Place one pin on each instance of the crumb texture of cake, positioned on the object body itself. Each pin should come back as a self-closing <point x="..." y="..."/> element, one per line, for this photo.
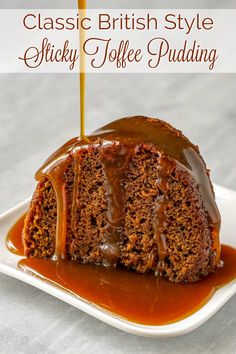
<point x="136" y="193"/>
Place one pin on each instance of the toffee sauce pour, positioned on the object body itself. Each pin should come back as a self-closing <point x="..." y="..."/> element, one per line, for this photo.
<point x="141" y="298"/>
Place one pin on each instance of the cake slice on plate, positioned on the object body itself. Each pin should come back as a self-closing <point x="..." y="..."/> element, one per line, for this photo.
<point x="136" y="193"/>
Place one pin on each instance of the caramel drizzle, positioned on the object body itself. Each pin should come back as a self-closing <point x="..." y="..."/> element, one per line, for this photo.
<point x="76" y="164"/>
<point x="54" y="170"/>
<point x="164" y="168"/>
<point x="56" y="176"/>
<point x="82" y="75"/>
<point x="203" y="181"/>
<point x="114" y="168"/>
<point x="55" y="173"/>
<point x="61" y="219"/>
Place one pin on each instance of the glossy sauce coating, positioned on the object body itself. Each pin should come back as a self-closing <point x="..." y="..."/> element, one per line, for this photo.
<point x="128" y="133"/>
<point x="141" y="298"/>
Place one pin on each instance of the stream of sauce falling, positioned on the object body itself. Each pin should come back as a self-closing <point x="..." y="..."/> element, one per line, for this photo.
<point x="82" y="12"/>
<point x="141" y="298"/>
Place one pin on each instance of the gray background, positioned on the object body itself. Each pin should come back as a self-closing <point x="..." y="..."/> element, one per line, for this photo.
<point x="38" y="113"/>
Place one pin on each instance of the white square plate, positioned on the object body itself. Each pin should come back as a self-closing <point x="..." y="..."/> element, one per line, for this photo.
<point x="226" y="200"/>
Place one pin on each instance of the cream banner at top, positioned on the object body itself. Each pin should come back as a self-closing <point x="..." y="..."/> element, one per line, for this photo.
<point x="118" y="41"/>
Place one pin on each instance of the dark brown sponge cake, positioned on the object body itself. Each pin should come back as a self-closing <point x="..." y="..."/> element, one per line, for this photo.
<point x="136" y="193"/>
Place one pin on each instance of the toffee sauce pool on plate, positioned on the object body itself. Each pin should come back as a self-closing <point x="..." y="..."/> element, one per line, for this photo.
<point x="141" y="298"/>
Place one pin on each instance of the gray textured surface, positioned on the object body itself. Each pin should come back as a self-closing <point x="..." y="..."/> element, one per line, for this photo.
<point x="39" y="113"/>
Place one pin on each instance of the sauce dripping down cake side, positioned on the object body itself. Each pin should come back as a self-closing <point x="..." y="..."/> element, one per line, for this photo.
<point x="135" y="193"/>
